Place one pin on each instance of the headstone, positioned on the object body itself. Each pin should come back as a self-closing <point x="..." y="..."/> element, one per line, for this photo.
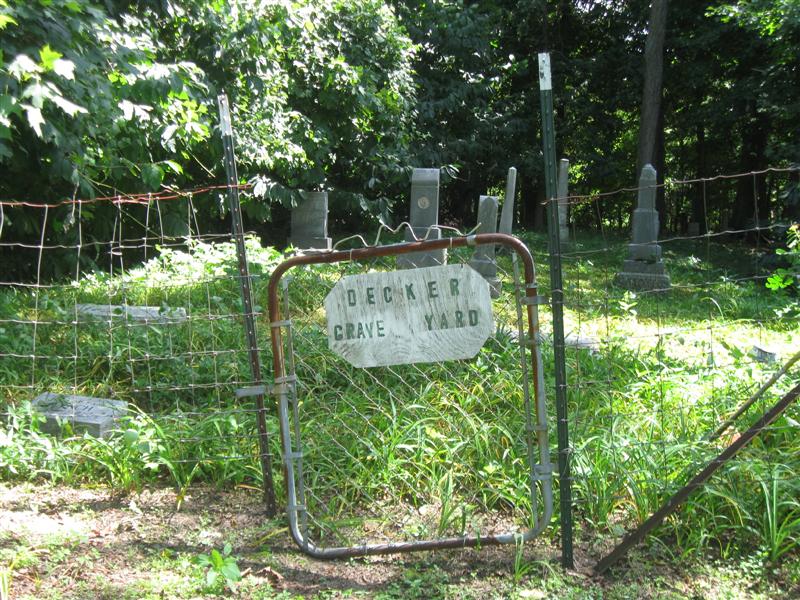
<point x="424" y="219"/>
<point x="310" y="222"/>
<point x="644" y="268"/>
<point x="562" y="193"/>
<point x="483" y="260"/>
<point x="150" y="314"/>
<point x="95" y="416"/>
<point x="428" y="314"/>
<point x="694" y="229"/>
<point x="582" y="342"/>
<point x="507" y="214"/>
<point x="764" y="355"/>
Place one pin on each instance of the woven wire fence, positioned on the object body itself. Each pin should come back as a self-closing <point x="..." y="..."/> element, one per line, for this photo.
<point x="657" y="377"/>
<point x="410" y="456"/>
<point x="145" y="311"/>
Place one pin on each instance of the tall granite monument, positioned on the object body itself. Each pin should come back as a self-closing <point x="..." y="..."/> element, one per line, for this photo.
<point x="424" y="219"/>
<point x="644" y="268"/>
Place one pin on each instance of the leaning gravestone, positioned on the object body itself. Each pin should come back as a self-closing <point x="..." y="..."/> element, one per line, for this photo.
<point x="150" y="314"/>
<point x="95" y="416"/>
<point x="507" y="214"/>
<point x="310" y="222"/>
<point x="483" y="260"/>
<point x="424" y="219"/>
<point x="644" y="268"/>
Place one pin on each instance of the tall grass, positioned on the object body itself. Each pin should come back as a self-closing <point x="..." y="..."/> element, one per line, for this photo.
<point x="443" y="438"/>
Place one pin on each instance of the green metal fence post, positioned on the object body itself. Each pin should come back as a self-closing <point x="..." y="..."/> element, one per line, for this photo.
<point x="557" y="293"/>
<point x="247" y="303"/>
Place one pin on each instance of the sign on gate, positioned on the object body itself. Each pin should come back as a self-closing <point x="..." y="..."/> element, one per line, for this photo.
<point x="428" y="314"/>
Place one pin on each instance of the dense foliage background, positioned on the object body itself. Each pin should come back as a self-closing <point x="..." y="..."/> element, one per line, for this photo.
<point x="99" y="98"/>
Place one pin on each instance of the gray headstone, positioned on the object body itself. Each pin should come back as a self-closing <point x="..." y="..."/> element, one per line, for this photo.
<point x="644" y="269"/>
<point x="562" y="193"/>
<point x="483" y="260"/>
<point x="765" y="355"/>
<point x="310" y="222"/>
<point x="694" y="229"/>
<point x="150" y="314"/>
<point x="95" y="416"/>
<point x="507" y="214"/>
<point x="424" y="219"/>
<point x="582" y="342"/>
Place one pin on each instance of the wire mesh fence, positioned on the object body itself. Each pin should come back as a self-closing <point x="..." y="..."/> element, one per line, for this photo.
<point x="146" y="311"/>
<point x="655" y="370"/>
<point x="143" y="321"/>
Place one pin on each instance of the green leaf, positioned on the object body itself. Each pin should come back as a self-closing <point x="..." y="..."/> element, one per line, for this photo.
<point x="23" y="67"/>
<point x="176" y="167"/>
<point x="152" y="176"/>
<point x="37" y="92"/>
<point x="35" y="118"/>
<point x="64" y="68"/>
<point x="6" y="20"/>
<point x="67" y="106"/>
<point x="211" y="577"/>
<point x="48" y="57"/>
<point x="8" y="107"/>
<point x="230" y="571"/>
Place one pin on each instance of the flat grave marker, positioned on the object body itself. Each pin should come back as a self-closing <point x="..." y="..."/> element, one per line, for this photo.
<point x="152" y="314"/>
<point x="96" y="416"/>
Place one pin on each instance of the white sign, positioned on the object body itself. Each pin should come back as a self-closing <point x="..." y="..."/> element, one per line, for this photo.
<point x="427" y="314"/>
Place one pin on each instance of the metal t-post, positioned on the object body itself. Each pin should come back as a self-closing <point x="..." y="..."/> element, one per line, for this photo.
<point x="557" y="292"/>
<point x="247" y="301"/>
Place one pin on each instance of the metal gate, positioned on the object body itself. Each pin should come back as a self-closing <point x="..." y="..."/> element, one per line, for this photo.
<point x="410" y="457"/>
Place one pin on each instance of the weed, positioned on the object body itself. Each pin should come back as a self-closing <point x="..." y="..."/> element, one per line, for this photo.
<point x="220" y="566"/>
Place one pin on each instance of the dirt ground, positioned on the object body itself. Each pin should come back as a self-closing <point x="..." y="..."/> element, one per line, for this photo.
<point x="94" y="543"/>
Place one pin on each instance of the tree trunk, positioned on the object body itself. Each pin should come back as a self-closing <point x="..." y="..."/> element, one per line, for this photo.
<point x="752" y="204"/>
<point x="651" y="92"/>
<point x="699" y="199"/>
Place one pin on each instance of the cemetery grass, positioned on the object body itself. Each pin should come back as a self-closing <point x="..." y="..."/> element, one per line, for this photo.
<point x="669" y="367"/>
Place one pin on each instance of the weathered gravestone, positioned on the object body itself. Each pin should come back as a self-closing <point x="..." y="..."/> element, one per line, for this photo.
<point x="95" y="416"/>
<point x="424" y="219"/>
<point x="310" y="222"/>
<point x="150" y="314"/>
<point x="483" y="260"/>
<point x="428" y="314"/>
<point x="507" y="214"/>
<point x="644" y="268"/>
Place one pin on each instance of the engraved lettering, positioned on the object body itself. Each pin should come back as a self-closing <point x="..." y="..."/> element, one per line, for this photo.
<point x="351" y="297"/>
<point x="370" y="295"/>
<point x="454" y="287"/>
<point x="432" y="291"/>
<point x="387" y="294"/>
